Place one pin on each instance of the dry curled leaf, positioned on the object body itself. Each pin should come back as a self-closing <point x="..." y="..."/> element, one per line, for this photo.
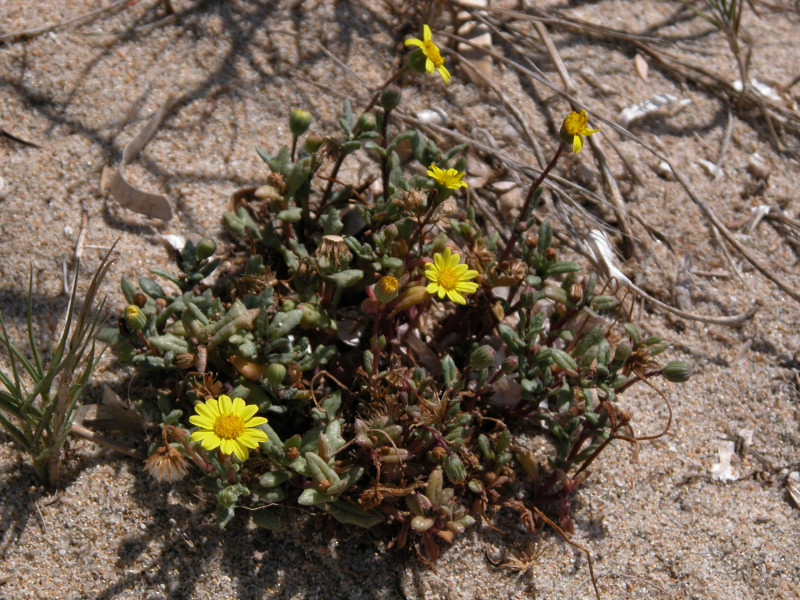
<point x="152" y="205"/>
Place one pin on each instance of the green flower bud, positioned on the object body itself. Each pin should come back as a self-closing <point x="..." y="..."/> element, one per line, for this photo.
<point x="205" y="248"/>
<point x="299" y="121"/>
<point x="482" y="358"/>
<point x="366" y="122"/>
<point x="622" y="352"/>
<point x="135" y="319"/>
<point x="313" y="142"/>
<point x="390" y="97"/>
<point x="276" y="373"/>
<point x="677" y="371"/>
<point x="509" y="365"/>
<point x="454" y="469"/>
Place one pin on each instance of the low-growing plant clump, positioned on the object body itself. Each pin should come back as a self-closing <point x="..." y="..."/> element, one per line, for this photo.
<point x="372" y="350"/>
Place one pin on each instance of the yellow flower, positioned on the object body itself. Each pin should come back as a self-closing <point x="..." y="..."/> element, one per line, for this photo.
<point x="434" y="59"/>
<point x="574" y="128"/>
<point x="228" y="425"/>
<point x="449" y="277"/>
<point x="451" y="179"/>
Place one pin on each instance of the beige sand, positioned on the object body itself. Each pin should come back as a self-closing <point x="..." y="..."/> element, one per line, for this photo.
<point x="657" y="524"/>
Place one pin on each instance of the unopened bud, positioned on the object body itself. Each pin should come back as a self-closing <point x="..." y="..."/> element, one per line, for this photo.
<point x="276" y="372"/>
<point x="677" y="371"/>
<point x="386" y="289"/>
<point x="313" y="142"/>
<point x="135" y="319"/>
<point x="454" y="469"/>
<point x="482" y="358"/>
<point x="390" y="98"/>
<point x="366" y="122"/>
<point x="509" y="365"/>
<point x="299" y="121"/>
<point x="205" y="248"/>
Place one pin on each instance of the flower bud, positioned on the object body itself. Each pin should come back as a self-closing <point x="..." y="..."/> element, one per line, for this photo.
<point x="509" y="365"/>
<point x="366" y="122"/>
<point x="135" y="319"/>
<point x="390" y="97"/>
<point x="313" y="142"/>
<point x="275" y="374"/>
<point x="139" y="299"/>
<point x="386" y="289"/>
<point x="677" y="371"/>
<point x="454" y="469"/>
<point x="482" y="358"/>
<point x="390" y="232"/>
<point x="205" y="248"/>
<point x="299" y="121"/>
<point x="622" y="352"/>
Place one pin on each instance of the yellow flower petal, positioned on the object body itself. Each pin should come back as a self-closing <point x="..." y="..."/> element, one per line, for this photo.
<point x="432" y="287"/>
<point x="577" y="143"/>
<point x="456" y="297"/>
<point x="205" y="410"/>
<point x="202" y="421"/>
<point x="255" y="422"/>
<point x="414" y="42"/>
<point x="240" y="450"/>
<point x="225" y="405"/>
<point x="426" y="33"/>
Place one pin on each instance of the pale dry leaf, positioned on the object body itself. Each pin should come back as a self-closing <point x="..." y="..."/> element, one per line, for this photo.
<point x="640" y="64"/>
<point x="152" y="205"/>
<point x="600" y="249"/>
<point x="793" y="487"/>
<point x="652" y="106"/>
<point x="723" y="471"/>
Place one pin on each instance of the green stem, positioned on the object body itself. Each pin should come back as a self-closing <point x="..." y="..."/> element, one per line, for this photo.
<point x="523" y="215"/>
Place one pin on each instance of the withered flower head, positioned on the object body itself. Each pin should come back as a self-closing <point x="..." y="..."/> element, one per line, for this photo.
<point x="333" y="254"/>
<point x="331" y="148"/>
<point x="480" y="258"/>
<point x="276" y="181"/>
<point x="166" y="464"/>
<point x="410" y="200"/>
<point x="515" y="269"/>
<point x="206" y="386"/>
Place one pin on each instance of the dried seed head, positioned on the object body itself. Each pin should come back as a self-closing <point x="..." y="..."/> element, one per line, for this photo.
<point x="276" y="181"/>
<point x="166" y="464"/>
<point x="333" y="254"/>
<point x="411" y="200"/>
<point x="185" y="361"/>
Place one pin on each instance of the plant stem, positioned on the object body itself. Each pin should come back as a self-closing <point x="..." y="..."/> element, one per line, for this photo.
<point x="526" y="207"/>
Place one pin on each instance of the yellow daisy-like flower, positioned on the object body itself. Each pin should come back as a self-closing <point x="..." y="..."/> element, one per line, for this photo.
<point x="449" y="277"/>
<point x="229" y="425"/>
<point x="574" y="128"/>
<point x="434" y="59"/>
<point x="451" y="179"/>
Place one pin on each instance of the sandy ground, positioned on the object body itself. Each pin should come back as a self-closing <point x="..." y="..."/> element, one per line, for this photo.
<point x="656" y="522"/>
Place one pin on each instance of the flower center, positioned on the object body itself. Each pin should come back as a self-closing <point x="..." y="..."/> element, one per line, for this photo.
<point x="228" y="427"/>
<point x="575" y="123"/>
<point x="448" y="279"/>
<point x="389" y="284"/>
<point x="432" y="52"/>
